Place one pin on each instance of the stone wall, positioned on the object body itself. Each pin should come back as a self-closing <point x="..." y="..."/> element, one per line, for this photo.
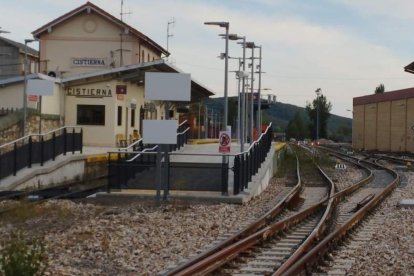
<point x="13" y="132"/>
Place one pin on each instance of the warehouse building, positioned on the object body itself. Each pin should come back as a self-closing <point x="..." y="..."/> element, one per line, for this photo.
<point x="384" y="121"/>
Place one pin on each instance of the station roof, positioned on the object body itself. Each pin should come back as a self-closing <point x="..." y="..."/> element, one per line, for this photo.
<point x="136" y="74"/>
<point x="409" y="68"/>
<point x="20" y="46"/>
<point x="88" y="7"/>
<point x="385" y="97"/>
<point x="131" y="73"/>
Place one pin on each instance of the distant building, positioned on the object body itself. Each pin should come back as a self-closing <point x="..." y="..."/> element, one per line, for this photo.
<point x="384" y="121"/>
<point x="12" y="59"/>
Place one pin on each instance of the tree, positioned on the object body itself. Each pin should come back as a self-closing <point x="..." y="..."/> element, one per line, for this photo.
<point x="324" y="113"/>
<point x="380" y="89"/>
<point x="296" y="128"/>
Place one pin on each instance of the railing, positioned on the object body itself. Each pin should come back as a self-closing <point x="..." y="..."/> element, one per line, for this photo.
<point x="247" y="163"/>
<point x="137" y="169"/>
<point x="38" y="148"/>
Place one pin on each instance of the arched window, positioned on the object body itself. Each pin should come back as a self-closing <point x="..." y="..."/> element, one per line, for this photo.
<point x="142" y="56"/>
<point x="148" y="57"/>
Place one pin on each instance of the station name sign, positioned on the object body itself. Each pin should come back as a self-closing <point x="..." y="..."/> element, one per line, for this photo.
<point x="88" y="92"/>
<point x="89" y="62"/>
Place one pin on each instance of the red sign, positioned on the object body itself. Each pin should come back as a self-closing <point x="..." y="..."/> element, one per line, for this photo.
<point x="121" y="89"/>
<point x="32" y="98"/>
<point x="224" y="141"/>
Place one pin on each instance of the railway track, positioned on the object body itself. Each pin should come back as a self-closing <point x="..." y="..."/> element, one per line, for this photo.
<point x="349" y="225"/>
<point x="58" y="192"/>
<point x="278" y="242"/>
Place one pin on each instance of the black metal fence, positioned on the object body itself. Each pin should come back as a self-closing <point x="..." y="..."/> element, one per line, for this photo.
<point x="37" y="149"/>
<point x="137" y="170"/>
<point x="247" y="164"/>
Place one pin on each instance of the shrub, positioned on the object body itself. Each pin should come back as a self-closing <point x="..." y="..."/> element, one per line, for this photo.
<point x="19" y="257"/>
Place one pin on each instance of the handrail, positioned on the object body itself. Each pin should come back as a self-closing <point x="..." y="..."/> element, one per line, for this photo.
<point x="181" y="133"/>
<point x="131" y="146"/>
<point x="37" y="134"/>
<point x="140" y="140"/>
<point x="256" y="141"/>
<point x="139" y="154"/>
<point x="182" y="123"/>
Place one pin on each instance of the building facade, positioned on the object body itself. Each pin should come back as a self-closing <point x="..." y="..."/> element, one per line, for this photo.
<point x="384" y="121"/>
<point x="12" y="56"/>
<point x="98" y="65"/>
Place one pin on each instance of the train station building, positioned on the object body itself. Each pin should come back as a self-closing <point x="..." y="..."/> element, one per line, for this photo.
<point x="384" y="121"/>
<point x="97" y="64"/>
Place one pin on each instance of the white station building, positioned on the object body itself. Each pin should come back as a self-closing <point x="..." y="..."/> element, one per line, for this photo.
<point x="97" y="64"/>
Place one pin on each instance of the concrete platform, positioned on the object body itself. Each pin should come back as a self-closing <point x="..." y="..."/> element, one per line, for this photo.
<point x="70" y="166"/>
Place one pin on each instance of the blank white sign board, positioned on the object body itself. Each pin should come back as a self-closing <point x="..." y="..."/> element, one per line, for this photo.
<point x="167" y="86"/>
<point x="160" y="131"/>
<point x="40" y="87"/>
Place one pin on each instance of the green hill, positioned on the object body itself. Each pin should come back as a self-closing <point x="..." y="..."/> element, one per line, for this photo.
<point x="281" y="113"/>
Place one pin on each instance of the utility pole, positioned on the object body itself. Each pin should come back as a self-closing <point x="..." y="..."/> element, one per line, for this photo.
<point x="171" y="22"/>
<point x="121" y="56"/>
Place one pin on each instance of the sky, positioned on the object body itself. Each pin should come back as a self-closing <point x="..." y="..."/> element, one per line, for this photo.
<point x="345" y="47"/>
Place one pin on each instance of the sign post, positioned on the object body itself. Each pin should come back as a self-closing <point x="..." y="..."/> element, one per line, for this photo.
<point x="224" y="141"/>
<point x="164" y="87"/>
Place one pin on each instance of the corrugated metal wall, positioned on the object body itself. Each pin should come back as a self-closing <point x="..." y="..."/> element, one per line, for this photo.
<point x="384" y="126"/>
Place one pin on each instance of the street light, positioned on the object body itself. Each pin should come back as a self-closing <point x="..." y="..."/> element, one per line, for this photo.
<point x="4" y="32"/>
<point x="251" y="45"/>
<point x="241" y="102"/>
<point x="259" y="103"/>
<point x="225" y="25"/>
<point x="26" y="41"/>
<point x="318" y="92"/>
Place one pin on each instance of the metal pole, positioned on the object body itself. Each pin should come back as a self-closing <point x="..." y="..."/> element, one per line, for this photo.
<point x="40" y="114"/>
<point x="199" y="120"/>
<point x="318" y="92"/>
<point x="259" y="102"/>
<point x="252" y="100"/>
<point x="226" y="69"/>
<point x="243" y="111"/>
<point x="25" y="90"/>
<point x="238" y="104"/>
<point x="205" y="122"/>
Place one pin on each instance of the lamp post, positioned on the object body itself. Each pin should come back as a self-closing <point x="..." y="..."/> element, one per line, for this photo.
<point x="259" y="102"/>
<point x="225" y="25"/>
<point x="26" y="41"/>
<point x="241" y="102"/>
<point x="251" y="45"/>
<point x="4" y="32"/>
<point x="318" y="92"/>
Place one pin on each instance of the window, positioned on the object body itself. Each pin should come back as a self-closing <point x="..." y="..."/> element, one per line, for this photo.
<point x="90" y="115"/>
<point x="119" y="115"/>
<point x="148" y="59"/>
<point x="132" y="117"/>
<point x="142" y="56"/>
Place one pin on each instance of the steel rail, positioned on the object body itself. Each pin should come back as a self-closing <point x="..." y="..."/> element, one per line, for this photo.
<point x="287" y="201"/>
<point x="304" y="265"/>
<point x="221" y="257"/>
<point x="317" y="232"/>
<point x="34" y="202"/>
<point x="230" y="252"/>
